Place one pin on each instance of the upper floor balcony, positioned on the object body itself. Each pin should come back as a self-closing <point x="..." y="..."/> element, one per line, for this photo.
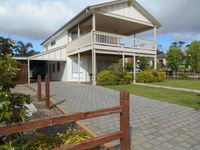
<point x="110" y="42"/>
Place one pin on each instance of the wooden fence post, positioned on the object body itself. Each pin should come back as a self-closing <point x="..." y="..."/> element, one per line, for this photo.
<point x="47" y="91"/>
<point x="39" y="88"/>
<point x="125" y="142"/>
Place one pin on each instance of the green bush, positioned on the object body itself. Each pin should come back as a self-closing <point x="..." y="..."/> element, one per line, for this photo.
<point x="183" y="77"/>
<point x="42" y="142"/>
<point x="107" y="78"/>
<point x="148" y="76"/>
<point x="144" y="76"/>
<point x="158" y="76"/>
<point x="125" y="77"/>
<point x="113" y="78"/>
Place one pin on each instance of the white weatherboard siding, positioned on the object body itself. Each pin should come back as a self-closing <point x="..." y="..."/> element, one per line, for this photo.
<point x="125" y="10"/>
<point x="56" y="75"/>
<point x="83" y="69"/>
<point x="61" y="39"/>
<point x="58" y="54"/>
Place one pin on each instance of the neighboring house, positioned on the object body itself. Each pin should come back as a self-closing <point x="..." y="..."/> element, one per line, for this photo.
<point x="162" y="58"/>
<point x="95" y="38"/>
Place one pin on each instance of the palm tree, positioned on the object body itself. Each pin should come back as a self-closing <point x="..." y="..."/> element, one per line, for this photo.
<point x="23" y="49"/>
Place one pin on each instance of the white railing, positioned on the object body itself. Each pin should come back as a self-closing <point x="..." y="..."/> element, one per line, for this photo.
<point x="103" y="38"/>
<point x="81" y="42"/>
<point x="109" y="39"/>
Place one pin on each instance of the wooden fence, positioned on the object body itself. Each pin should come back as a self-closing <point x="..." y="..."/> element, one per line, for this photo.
<point x="123" y="134"/>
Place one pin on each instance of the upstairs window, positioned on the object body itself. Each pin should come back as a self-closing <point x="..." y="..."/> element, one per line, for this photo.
<point x="53" y="43"/>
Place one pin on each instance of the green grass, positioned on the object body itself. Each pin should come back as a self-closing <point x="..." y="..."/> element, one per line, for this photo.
<point x="189" y="84"/>
<point x="172" y="96"/>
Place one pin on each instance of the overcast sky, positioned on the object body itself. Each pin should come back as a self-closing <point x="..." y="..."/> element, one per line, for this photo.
<point x="35" y="20"/>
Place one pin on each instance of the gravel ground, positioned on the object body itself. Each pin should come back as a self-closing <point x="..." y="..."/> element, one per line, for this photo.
<point x="43" y="112"/>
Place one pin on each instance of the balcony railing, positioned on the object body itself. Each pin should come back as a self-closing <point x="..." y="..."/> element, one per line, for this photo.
<point x="109" y="39"/>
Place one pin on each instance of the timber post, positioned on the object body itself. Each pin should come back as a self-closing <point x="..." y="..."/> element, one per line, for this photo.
<point x="125" y="141"/>
<point x="39" y="88"/>
<point x="47" y="91"/>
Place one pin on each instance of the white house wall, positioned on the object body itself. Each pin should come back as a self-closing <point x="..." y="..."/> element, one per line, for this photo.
<point x="125" y="10"/>
<point x="61" y="40"/>
<point x="57" y="55"/>
<point x="84" y="68"/>
<point x="57" y="75"/>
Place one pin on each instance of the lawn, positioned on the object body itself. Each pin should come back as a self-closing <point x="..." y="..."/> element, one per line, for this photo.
<point x="166" y="95"/>
<point x="189" y="84"/>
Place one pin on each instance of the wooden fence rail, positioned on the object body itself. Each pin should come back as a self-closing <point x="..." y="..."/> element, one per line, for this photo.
<point x="123" y="134"/>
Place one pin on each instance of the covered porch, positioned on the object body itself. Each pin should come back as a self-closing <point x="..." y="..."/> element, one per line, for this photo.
<point x="87" y="65"/>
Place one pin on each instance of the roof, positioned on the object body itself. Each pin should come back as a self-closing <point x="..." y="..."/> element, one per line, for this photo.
<point x="92" y="7"/>
<point x="160" y="56"/>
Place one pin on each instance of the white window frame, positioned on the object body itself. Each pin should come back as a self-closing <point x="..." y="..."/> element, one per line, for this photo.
<point x="75" y="73"/>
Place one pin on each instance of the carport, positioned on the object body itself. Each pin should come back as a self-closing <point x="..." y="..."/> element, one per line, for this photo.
<point x="50" y="62"/>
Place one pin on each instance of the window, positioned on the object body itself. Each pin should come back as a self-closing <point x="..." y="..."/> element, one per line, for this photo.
<point x="75" y="73"/>
<point x="54" y="68"/>
<point x="53" y="43"/>
<point x="58" y="67"/>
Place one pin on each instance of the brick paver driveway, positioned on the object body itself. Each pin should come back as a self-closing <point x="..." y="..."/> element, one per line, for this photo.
<point x="155" y="125"/>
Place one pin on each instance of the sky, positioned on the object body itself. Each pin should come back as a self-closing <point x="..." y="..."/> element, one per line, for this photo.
<point x="34" y="20"/>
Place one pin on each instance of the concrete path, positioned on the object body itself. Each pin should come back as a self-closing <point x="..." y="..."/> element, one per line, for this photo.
<point x="155" y="125"/>
<point x="169" y="87"/>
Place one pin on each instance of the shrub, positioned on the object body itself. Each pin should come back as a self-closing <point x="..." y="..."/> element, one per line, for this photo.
<point x="107" y="78"/>
<point x="183" y="77"/>
<point x="144" y="76"/>
<point x="8" y="72"/>
<point x="12" y="108"/>
<point x="158" y="76"/>
<point x="42" y="142"/>
<point x="125" y="77"/>
<point x="148" y="76"/>
<point x="113" y="78"/>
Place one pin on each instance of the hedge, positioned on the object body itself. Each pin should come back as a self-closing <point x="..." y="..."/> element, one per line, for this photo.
<point x="110" y="77"/>
<point x="150" y="76"/>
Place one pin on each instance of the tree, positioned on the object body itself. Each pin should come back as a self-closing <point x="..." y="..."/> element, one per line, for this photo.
<point x="23" y="49"/>
<point x="7" y="46"/>
<point x="12" y="108"/>
<point x="193" y="56"/>
<point x="174" y="58"/>
<point x="143" y="64"/>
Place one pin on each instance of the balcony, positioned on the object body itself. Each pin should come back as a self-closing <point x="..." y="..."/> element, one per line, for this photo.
<point x="111" y="42"/>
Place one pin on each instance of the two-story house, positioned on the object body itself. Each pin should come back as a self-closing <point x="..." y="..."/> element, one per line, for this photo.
<point x="97" y="37"/>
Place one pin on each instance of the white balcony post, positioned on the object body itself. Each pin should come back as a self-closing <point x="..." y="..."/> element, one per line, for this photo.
<point x="123" y="61"/>
<point x="134" y="40"/>
<point x="134" y="69"/>
<point x="28" y="71"/>
<point x="78" y="30"/>
<point x="79" y="64"/>
<point x="93" y="22"/>
<point x="94" y="67"/>
<point x="155" y="39"/>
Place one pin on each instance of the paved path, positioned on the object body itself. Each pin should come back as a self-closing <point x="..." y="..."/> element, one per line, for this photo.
<point x="155" y="125"/>
<point x="169" y="87"/>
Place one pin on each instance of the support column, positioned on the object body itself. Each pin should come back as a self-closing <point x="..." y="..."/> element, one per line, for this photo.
<point x="79" y="64"/>
<point x="134" y="44"/>
<point x="123" y="61"/>
<point x="78" y="30"/>
<point x="155" y="39"/>
<point x="134" y="69"/>
<point x="28" y="71"/>
<point x="94" y="67"/>
<point x="93" y="22"/>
